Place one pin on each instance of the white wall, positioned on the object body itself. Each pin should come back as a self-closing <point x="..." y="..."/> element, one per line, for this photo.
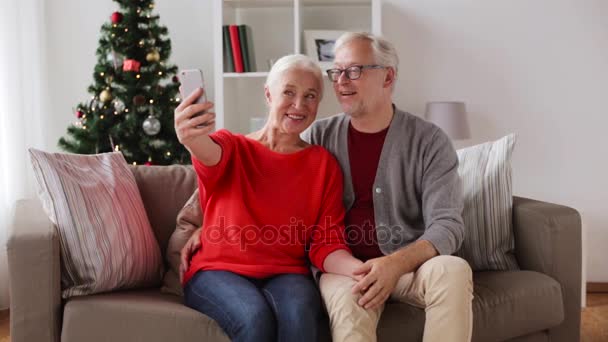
<point x="537" y="68"/>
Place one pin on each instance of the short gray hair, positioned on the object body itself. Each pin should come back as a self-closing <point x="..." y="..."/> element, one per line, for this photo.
<point x="296" y="61"/>
<point x="384" y="52"/>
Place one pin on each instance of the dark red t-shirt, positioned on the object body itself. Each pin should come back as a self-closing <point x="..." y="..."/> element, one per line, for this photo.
<point x="364" y="154"/>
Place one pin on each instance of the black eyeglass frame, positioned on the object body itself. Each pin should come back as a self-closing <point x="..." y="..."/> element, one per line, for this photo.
<point x="352" y="68"/>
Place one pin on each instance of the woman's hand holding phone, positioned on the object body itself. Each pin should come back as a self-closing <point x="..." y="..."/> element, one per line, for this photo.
<point x="193" y="129"/>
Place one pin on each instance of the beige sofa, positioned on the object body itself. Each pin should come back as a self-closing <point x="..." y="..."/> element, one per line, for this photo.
<point x="539" y="303"/>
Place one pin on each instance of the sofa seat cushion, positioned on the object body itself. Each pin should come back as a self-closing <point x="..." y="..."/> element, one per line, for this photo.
<point x="145" y="315"/>
<point x="507" y="304"/>
<point x="514" y="303"/>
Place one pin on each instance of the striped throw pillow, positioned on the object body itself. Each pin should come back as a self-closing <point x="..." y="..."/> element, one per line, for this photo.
<point x="485" y="170"/>
<point x="106" y="239"/>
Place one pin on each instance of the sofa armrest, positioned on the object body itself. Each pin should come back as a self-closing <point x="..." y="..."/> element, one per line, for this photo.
<point x="34" y="275"/>
<point x="548" y="240"/>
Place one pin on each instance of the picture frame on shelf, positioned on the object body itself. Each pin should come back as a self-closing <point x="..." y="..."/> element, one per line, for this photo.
<point x="319" y="45"/>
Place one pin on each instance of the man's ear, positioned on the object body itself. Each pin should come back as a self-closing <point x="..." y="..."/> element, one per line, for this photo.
<point x="267" y="95"/>
<point x="389" y="79"/>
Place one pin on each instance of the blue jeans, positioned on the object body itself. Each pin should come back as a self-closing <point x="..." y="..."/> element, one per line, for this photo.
<point x="286" y="307"/>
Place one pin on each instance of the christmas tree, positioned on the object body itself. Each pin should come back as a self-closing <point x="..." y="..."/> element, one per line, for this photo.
<point x="134" y="94"/>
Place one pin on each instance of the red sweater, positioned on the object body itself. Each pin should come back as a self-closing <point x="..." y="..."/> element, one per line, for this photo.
<point x="265" y="212"/>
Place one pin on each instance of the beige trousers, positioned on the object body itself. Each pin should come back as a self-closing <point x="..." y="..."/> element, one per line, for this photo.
<point x="443" y="286"/>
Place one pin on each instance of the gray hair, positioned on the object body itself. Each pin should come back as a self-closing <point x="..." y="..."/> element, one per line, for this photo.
<point x="384" y="52"/>
<point x="296" y="61"/>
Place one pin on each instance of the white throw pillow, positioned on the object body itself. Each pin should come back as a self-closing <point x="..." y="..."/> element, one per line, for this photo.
<point x="485" y="170"/>
<point x="106" y="239"/>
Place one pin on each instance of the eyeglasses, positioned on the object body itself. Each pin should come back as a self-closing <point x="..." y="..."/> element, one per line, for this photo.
<point x="352" y="72"/>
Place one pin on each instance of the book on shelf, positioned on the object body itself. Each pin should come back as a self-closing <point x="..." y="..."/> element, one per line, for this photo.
<point x="244" y="49"/>
<point x="238" y="48"/>
<point x="250" y="49"/>
<point x="228" y="57"/>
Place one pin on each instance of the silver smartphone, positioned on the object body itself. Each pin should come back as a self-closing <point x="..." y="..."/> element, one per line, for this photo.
<point x="190" y="80"/>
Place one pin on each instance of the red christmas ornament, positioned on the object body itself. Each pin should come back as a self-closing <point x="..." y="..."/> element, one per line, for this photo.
<point x="138" y="100"/>
<point x="148" y="163"/>
<point x="79" y="114"/>
<point x="130" y="65"/>
<point x="175" y="79"/>
<point x="116" y="17"/>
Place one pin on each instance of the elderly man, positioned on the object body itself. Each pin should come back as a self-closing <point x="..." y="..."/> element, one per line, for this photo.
<point x="403" y="198"/>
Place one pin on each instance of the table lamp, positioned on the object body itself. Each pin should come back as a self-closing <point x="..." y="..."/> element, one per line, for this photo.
<point x="451" y="117"/>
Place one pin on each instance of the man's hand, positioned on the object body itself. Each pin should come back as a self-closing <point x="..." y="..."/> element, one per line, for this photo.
<point x="193" y="244"/>
<point x="382" y="274"/>
<point x="379" y="281"/>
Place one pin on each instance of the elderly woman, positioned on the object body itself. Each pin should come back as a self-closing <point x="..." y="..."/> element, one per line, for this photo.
<point x="271" y="204"/>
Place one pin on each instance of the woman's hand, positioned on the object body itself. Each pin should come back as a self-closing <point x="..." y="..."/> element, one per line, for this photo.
<point x="342" y="262"/>
<point x="189" y="123"/>
<point x="193" y="244"/>
<point x="193" y="123"/>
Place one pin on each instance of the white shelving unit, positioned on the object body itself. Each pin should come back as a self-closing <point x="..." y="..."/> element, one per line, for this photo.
<point x="277" y="28"/>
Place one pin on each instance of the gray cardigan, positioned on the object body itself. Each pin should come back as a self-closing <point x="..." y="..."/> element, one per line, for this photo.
<point x="417" y="190"/>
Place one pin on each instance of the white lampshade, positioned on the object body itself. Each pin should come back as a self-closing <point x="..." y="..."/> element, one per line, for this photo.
<point x="451" y="117"/>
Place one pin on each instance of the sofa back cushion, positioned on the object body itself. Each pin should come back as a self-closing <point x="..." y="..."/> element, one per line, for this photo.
<point x="104" y="232"/>
<point x="164" y="191"/>
<point x="189" y="219"/>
